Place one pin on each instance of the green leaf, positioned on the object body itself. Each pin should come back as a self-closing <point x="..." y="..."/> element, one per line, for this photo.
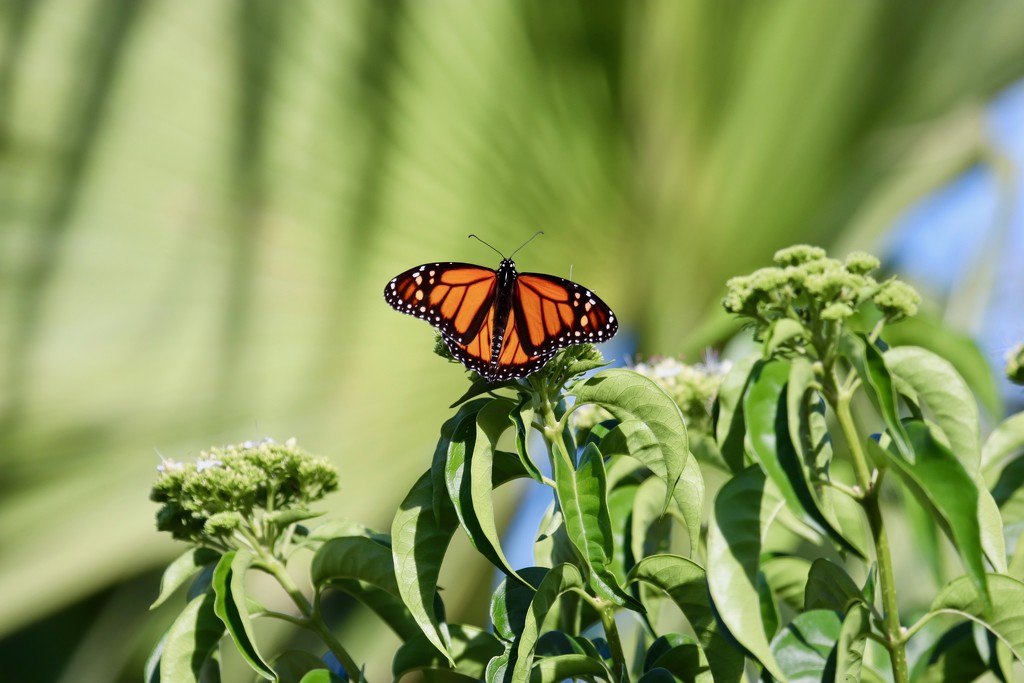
<point x="231" y="607"/>
<point x="628" y="395"/>
<point x="364" y="568"/>
<point x="941" y="388"/>
<point x="658" y="675"/>
<point x="566" y="667"/>
<point x="685" y="583"/>
<point x="743" y="509"/>
<point x="354" y="557"/>
<point x="293" y="666"/>
<point x="869" y="363"/>
<point x="511" y="601"/>
<point x="190" y="641"/>
<point x="522" y="420"/>
<point x="438" y="465"/>
<point x="649" y="531"/>
<point x="471" y="648"/>
<point x="688" y="499"/>
<point x="497" y="668"/>
<point x="419" y="540"/>
<point x="929" y="332"/>
<point x="730" y="429"/>
<point x="469" y="479"/>
<point x="386" y="605"/>
<point x="558" y="580"/>
<point x="1002" y="614"/>
<point x="830" y="587"/>
<point x="765" y="409"/>
<point x="803" y="647"/>
<point x="808" y="430"/>
<point x="321" y="676"/>
<point x="850" y="646"/>
<point x="1005" y="441"/>
<point x="780" y="332"/>
<point x="283" y="518"/>
<point x="945" y="394"/>
<point x="941" y="483"/>
<point x="621" y="501"/>
<point x="187" y="565"/>
<point x="682" y="656"/>
<point x="584" y="503"/>
<point x="952" y="657"/>
<point x="787" y="577"/>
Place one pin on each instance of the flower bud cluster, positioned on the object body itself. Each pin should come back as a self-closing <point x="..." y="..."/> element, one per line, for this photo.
<point x="692" y="387"/>
<point x="227" y="487"/>
<point x="807" y="286"/>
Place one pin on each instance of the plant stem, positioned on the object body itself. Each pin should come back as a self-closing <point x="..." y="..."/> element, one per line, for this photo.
<point x="312" y="619"/>
<point x="895" y="641"/>
<point x="611" y="630"/>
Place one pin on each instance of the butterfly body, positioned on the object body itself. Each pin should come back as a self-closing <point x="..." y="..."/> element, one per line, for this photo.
<point x="501" y="323"/>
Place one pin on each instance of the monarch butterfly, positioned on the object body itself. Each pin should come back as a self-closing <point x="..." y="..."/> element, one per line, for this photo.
<point x="500" y="323"/>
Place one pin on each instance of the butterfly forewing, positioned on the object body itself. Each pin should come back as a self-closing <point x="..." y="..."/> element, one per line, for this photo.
<point x="455" y="298"/>
<point x="553" y="313"/>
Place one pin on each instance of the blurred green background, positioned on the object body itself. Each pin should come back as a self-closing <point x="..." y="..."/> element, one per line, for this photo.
<point x="201" y="201"/>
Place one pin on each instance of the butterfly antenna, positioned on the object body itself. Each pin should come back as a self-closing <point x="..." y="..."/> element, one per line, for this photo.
<point x="539" y="232"/>
<point x="472" y="236"/>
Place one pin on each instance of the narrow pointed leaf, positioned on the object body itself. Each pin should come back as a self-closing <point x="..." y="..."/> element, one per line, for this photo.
<point x="420" y="537"/>
<point x="522" y="419"/>
<point x="511" y="601"/>
<point x="743" y="509"/>
<point x="629" y="395"/>
<point x="444" y="445"/>
<point x="782" y="331"/>
<point x="1003" y="617"/>
<point x="941" y="388"/>
<point x="869" y="363"/>
<point x="582" y="496"/>
<point x="190" y="641"/>
<point x="850" y="646"/>
<point x="560" y="579"/>
<point x="941" y="483"/>
<point x="231" y="607"/>
<point x="568" y="667"/>
<point x="649" y="530"/>
<point x="804" y="646"/>
<point x="354" y="557"/>
<point x="685" y="583"/>
<point x="1005" y="441"/>
<point x="469" y="478"/>
<point x="187" y="565"/>
<point x="765" y="408"/>
<point x="830" y="587"/>
<point x="471" y="649"/>
<point x="729" y="423"/>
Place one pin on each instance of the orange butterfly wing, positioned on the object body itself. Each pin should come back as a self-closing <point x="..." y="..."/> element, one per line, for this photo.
<point x="513" y="359"/>
<point x="552" y="313"/>
<point x="456" y="298"/>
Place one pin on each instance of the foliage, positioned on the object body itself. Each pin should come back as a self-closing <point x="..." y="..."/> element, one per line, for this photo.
<point x="792" y="569"/>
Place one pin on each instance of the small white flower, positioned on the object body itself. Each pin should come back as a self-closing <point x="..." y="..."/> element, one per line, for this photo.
<point x="208" y="463"/>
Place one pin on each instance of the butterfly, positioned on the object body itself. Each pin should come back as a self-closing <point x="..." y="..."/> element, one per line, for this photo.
<point x="501" y="323"/>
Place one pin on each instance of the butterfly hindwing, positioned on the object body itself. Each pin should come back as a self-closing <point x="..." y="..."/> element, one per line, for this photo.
<point x="553" y="313"/>
<point x="456" y="298"/>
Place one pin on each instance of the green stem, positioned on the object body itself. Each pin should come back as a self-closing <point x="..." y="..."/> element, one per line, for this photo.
<point x="312" y="619"/>
<point x="606" y="611"/>
<point x="894" y="636"/>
